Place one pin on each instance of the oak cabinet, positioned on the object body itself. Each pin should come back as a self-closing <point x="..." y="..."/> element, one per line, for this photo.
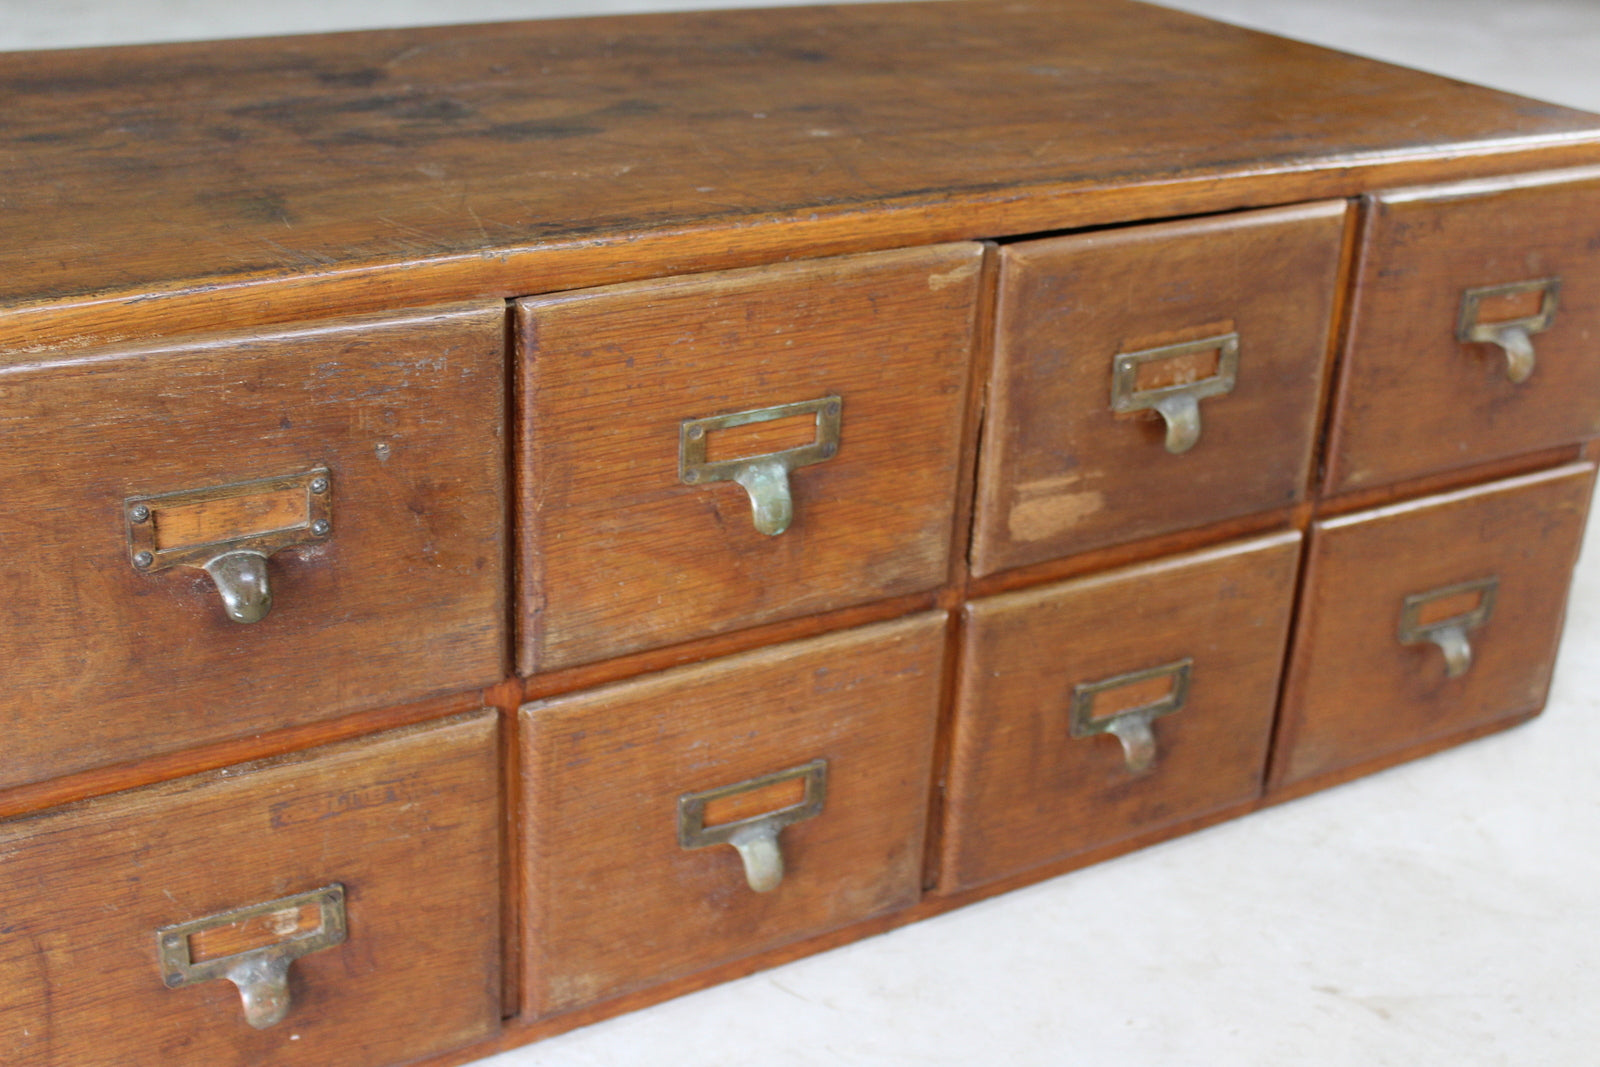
<point x="857" y="459"/>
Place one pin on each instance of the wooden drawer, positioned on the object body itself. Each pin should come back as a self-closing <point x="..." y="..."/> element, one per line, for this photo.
<point x="631" y="541"/>
<point x="1428" y="619"/>
<point x="624" y="886"/>
<point x="1223" y="322"/>
<point x="133" y="468"/>
<point x="1444" y="264"/>
<point x="1096" y="709"/>
<point x="123" y="915"/>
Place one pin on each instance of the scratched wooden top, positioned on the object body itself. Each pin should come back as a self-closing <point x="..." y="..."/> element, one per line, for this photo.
<point x="497" y="159"/>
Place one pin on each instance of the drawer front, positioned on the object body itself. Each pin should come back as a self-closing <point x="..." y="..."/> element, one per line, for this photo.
<point x="1474" y="329"/>
<point x="1429" y="618"/>
<point x="819" y="752"/>
<point x="341" y="485"/>
<point x="1154" y="378"/>
<point x="139" y="926"/>
<point x="1096" y="709"/>
<point x="713" y="452"/>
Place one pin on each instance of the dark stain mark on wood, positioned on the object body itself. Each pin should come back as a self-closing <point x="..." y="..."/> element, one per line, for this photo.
<point x="356" y="79"/>
<point x="549" y="130"/>
<point x="250" y="205"/>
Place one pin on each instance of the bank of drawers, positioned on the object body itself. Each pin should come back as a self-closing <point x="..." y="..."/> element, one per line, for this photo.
<point x="703" y="455"/>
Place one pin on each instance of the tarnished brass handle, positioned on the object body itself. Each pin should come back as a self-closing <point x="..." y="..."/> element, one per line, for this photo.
<point x="754" y="837"/>
<point x="241" y="580"/>
<point x="1421" y="621"/>
<point x="289" y="928"/>
<point x="228" y="531"/>
<point x="1512" y="335"/>
<point x="1177" y="402"/>
<point x="765" y="478"/>
<point x="1131" y="725"/>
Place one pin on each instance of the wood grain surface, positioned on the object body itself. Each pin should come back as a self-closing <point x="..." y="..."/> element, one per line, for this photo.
<point x="405" y="821"/>
<point x="403" y="600"/>
<point x="613" y="903"/>
<point x="1062" y="472"/>
<point x="258" y="181"/>
<point x="619" y="554"/>
<point x="1023" y="792"/>
<point x="708" y="212"/>
<point x="1413" y="399"/>
<point x="1354" y="692"/>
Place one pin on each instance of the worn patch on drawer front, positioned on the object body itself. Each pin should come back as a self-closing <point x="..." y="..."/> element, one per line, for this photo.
<point x="952" y="277"/>
<point x="1051" y="505"/>
<point x="303" y="810"/>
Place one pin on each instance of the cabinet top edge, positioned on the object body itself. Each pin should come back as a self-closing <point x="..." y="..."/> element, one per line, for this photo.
<point x="496" y="160"/>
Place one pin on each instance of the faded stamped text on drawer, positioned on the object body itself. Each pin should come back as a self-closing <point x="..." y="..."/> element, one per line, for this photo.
<point x="1096" y="709"/>
<point x="684" y="819"/>
<point x="154" y="925"/>
<point x="210" y="538"/>
<point x="1429" y="618"/>
<point x="1154" y="378"/>
<point x="717" y="451"/>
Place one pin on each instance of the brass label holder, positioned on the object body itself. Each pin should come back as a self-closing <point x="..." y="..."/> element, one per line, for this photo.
<point x="765" y="478"/>
<point x="1449" y="634"/>
<point x="1514" y="336"/>
<point x="1131" y="726"/>
<point x="755" y="838"/>
<point x="261" y="974"/>
<point x="237" y="564"/>
<point x="1179" y="404"/>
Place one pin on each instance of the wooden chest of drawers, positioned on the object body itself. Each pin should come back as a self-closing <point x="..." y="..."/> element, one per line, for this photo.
<point x="509" y="523"/>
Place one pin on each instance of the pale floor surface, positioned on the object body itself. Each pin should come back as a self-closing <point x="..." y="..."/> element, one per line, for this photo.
<point x="1440" y="913"/>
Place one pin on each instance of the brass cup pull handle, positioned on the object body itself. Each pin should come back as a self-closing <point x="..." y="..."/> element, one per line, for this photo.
<point x="754" y="837"/>
<point x="1182" y="415"/>
<point x="767" y="484"/>
<point x="1169" y="380"/>
<point x="761" y="854"/>
<point x="1138" y="740"/>
<point x="1443" y="617"/>
<point x="765" y="478"/>
<point x="254" y="947"/>
<point x="1457" y="649"/>
<point x="229" y="531"/>
<point x="1518" y="347"/>
<point x="241" y="580"/>
<point x="1512" y="335"/>
<point x="263" y="984"/>
<point x="1132" y="725"/>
